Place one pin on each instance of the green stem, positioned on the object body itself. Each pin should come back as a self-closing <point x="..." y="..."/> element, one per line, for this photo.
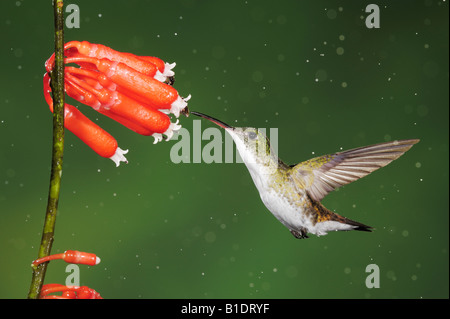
<point x="57" y="85"/>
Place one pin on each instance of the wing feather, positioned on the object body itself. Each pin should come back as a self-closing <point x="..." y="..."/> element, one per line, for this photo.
<point x="323" y="174"/>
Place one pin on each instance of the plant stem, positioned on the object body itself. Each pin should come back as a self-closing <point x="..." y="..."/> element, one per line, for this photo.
<point x="57" y="85"/>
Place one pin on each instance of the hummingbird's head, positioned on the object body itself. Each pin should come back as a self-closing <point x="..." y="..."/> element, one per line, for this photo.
<point x="252" y="144"/>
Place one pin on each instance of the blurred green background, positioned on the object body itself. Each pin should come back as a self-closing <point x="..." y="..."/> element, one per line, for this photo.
<point x="309" y="68"/>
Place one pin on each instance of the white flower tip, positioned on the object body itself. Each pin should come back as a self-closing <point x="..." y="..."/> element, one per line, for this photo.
<point x="168" y="69"/>
<point x="97" y="260"/>
<point x="165" y="111"/>
<point x="173" y="127"/>
<point x="158" y="137"/>
<point x="118" y="156"/>
<point x="160" y="76"/>
<point x="168" y="134"/>
<point x="167" y="73"/>
<point x="179" y="105"/>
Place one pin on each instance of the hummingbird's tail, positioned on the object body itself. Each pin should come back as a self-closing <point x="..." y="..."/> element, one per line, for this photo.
<point x="326" y="220"/>
<point x="354" y="224"/>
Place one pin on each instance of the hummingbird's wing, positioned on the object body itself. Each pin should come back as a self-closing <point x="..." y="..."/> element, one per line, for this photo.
<point x="321" y="175"/>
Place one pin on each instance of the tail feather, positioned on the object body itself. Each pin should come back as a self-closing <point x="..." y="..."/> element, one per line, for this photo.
<point x="324" y="214"/>
<point x="356" y="225"/>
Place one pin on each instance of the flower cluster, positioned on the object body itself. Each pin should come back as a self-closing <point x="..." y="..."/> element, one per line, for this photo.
<point x="135" y="91"/>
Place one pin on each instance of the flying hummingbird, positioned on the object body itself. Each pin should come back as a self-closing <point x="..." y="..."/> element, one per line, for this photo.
<point x="293" y="193"/>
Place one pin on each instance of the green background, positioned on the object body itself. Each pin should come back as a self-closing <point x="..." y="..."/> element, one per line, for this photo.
<point x="309" y="68"/>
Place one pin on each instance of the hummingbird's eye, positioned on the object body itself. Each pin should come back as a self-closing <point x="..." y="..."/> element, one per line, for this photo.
<point x="252" y="135"/>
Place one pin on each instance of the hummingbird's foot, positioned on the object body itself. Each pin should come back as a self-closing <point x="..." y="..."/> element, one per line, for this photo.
<point x="301" y="234"/>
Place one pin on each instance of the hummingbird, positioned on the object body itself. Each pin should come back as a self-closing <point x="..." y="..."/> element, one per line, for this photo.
<point x="292" y="193"/>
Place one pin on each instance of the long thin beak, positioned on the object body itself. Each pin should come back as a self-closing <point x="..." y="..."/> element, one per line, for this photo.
<point x="216" y="121"/>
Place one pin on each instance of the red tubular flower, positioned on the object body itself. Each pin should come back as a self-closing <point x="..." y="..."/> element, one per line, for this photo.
<point x="72" y="257"/>
<point x="129" y="89"/>
<point x="69" y="292"/>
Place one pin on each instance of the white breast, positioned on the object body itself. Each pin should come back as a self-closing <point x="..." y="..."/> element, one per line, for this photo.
<point x="289" y="214"/>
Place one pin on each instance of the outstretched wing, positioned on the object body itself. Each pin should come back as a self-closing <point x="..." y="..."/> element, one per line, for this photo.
<point x="323" y="174"/>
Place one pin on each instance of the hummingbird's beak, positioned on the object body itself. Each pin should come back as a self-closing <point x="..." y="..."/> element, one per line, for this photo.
<point x="216" y="121"/>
